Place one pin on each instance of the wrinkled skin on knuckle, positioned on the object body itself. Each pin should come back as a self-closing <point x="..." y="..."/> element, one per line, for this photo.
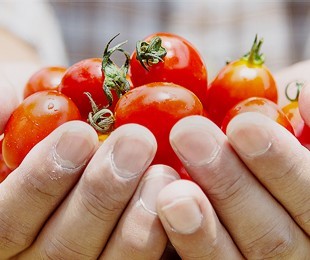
<point x="13" y="237"/>
<point x="59" y="248"/>
<point x="280" y="245"/>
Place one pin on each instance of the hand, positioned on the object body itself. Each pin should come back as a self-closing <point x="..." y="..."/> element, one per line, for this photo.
<point x="70" y="200"/>
<point x="253" y="195"/>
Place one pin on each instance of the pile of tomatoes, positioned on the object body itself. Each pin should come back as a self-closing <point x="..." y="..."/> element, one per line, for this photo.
<point x="162" y="81"/>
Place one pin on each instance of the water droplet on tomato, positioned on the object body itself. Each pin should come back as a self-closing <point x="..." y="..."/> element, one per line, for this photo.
<point x="50" y="106"/>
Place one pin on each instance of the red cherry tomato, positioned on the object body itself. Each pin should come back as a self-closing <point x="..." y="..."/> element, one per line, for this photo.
<point x="158" y="106"/>
<point x="47" y="78"/>
<point x="101" y="79"/>
<point x="4" y="169"/>
<point x="261" y="105"/>
<point x="302" y="131"/>
<point x="85" y="76"/>
<point x="239" y="80"/>
<point x="35" y="118"/>
<point x="182" y="64"/>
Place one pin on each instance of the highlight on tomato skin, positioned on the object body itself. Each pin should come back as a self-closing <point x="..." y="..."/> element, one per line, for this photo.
<point x="34" y="119"/>
<point x="260" y="105"/>
<point x="182" y="65"/>
<point x="158" y="106"/>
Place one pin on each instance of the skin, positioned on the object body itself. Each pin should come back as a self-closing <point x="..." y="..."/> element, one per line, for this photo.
<point x="74" y="199"/>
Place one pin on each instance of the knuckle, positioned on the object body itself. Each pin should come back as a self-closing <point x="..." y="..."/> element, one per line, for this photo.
<point x="59" y="248"/>
<point x="230" y="191"/>
<point x="103" y="198"/>
<point x="273" y="244"/>
<point x="46" y="183"/>
<point x="304" y="220"/>
<point x="102" y="206"/>
<point x="37" y="189"/>
<point x="13" y="236"/>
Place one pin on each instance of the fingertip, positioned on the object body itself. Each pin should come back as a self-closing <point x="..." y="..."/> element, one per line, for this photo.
<point x="179" y="206"/>
<point x="8" y="102"/>
<point x="304" y="104"/>
<point x="69" y="146"/>
<point x="154" y="180"/>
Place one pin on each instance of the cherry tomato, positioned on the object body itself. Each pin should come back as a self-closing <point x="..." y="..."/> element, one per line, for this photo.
<point x="179" y="62"/>
<point x="47" y="78"/>
<point x="95" y="83"/>
<point x="291" y="110"/>
<point x="35" y="118"/>
<point x="158" y="106"/>
<point x="4" y="169"/>
<point x="85" y="76"/>
<point x="239" y="80"/>
<point x="302" y="131"/>
<point x="261" y="105"/>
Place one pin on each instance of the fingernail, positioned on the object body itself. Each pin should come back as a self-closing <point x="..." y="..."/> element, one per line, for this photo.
<point x="197" y="148"/>
<point x="74" y="148"/>
<point x="250" y="140"/>
<point x="131" y="155"/>
<point x="183" y="215"/>
<point x="157" y="177"/>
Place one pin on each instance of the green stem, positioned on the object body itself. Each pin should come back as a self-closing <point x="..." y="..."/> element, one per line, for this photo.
<point x="102" y="120"/>
<point x="150" y="53"/>
<point x="254" y="56"/>
<point x="115" y="77"/>
<point x="298" y="85"/>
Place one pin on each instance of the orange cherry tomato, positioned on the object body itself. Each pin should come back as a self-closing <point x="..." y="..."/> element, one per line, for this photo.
<point x="47" y="78"/>
<point x="261" y="105"/>
<point x="239" y="80"/>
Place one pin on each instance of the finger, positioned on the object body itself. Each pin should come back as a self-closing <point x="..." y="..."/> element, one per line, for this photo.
<point x="304" y="103"/>
<point x="31" y="192"/>
<point x="8" y="101"/>
<point x="257" y="223"/>
<point x="298" y="71"/>
<point x="84" y="222"/>
<point x="192" y="225"/>
<point x="277" y="159"/>
<point x="139" y="234"/>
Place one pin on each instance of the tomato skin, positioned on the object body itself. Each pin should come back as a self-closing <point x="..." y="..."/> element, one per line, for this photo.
<point x="86" y="76"/>
<point x="261" y="105"/>
<point x="47" y="78"/>
<point x="302" y="131"/>
<point x="158" y="106"/>
<point x="35" y="118"/>
<point x="238" y="81"/>
<point x="182" y="65"/>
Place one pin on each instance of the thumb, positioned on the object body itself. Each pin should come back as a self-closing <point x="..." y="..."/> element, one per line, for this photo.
<point x="304" y="103"/>
<point x="8" y="101"/>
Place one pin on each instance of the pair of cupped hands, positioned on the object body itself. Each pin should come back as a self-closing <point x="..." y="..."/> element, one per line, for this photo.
<point x="72" y="198"/>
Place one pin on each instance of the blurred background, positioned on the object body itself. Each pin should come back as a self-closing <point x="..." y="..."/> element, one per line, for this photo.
<point x="63" y="32"/>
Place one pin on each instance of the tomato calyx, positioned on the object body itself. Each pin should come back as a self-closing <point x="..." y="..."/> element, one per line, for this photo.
<point x="296" y="84"/>
<point x="115" y="77"/>
<point x="253" y="56"/>
<point x="150" y="53"/>
<point x="102" y="120"/>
